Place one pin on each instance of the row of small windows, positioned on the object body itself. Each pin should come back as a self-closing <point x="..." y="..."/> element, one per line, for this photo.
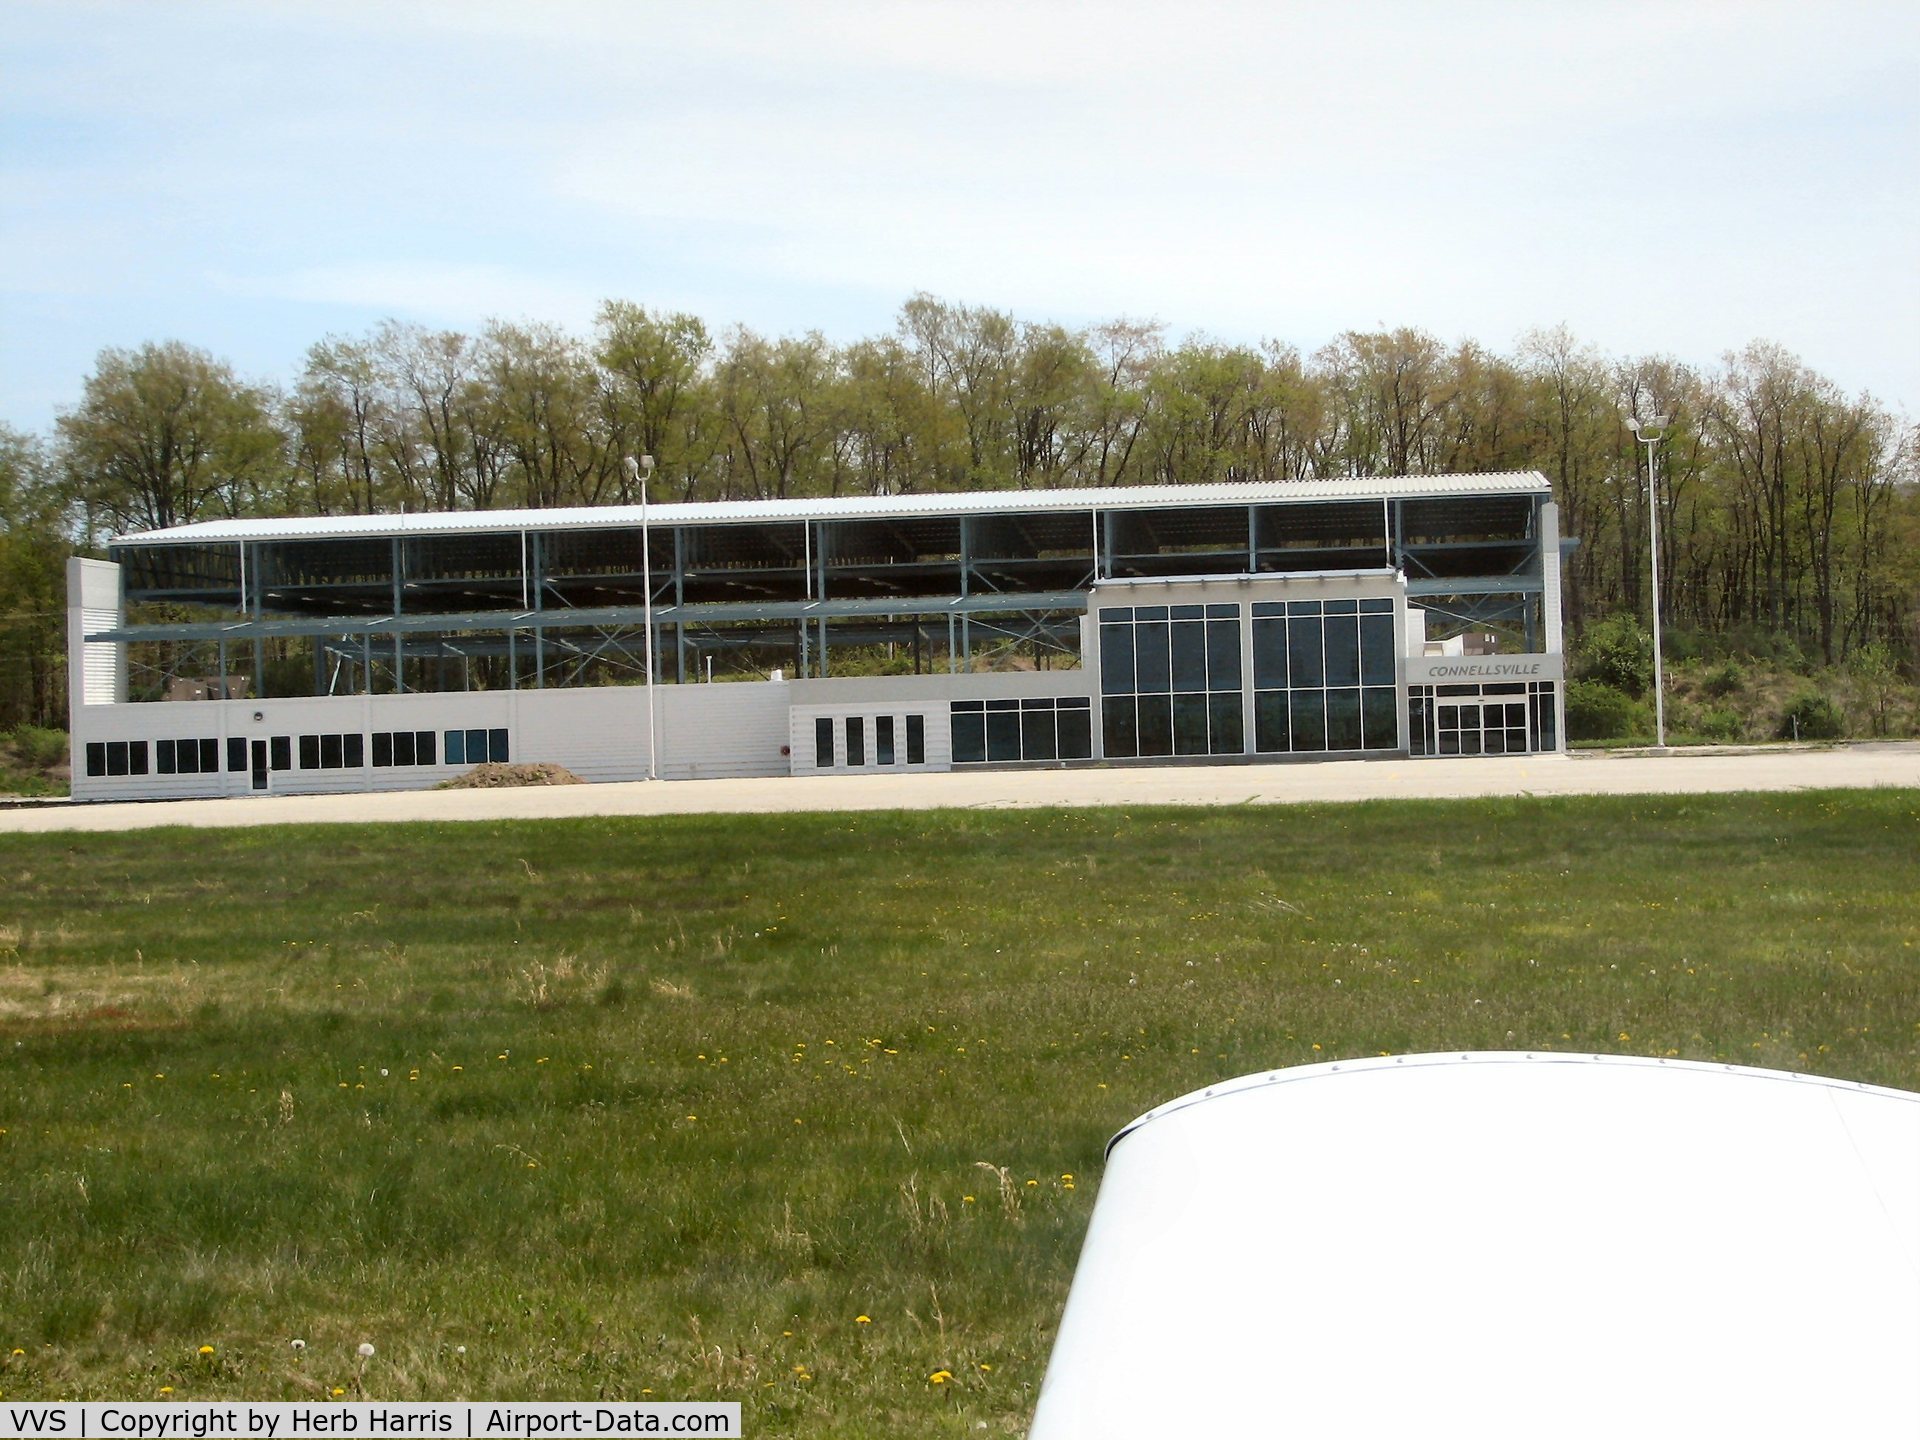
<point x="854" y="731"/>
<point x="344" y="751"/>
<point x="992" y="731"/>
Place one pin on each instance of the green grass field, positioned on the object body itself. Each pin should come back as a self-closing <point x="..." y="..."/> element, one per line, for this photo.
<point x="799" y="1111"/>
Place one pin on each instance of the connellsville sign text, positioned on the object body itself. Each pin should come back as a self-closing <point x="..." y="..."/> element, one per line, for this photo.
<point x="1472" y="669"/>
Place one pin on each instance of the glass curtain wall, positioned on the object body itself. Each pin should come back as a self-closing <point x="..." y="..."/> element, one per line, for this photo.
<point x="1170" y="680"/>
<point x="1323" y="676"/>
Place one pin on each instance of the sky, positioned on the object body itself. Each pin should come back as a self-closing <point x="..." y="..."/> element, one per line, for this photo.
<point x="1673" y="178"/>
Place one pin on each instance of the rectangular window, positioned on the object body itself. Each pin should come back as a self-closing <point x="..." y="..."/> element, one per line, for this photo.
<point x="137" y="757"/>
<point x="1343" y="650"/>
<point x="116" y="757"/>
<point x="476" y="747"/>
<point x="1376" y="650"/>
<point x="282" y="752"/>
<point x="1156" y="724"/>
<point x="1189" y="655"/>
<point x="382" y="749"/>
<point x="1190" y="724"/>
<point x="1116" y="658"/>
<point x="236" y="752"/>
<point x="163" y="756"/>
<point x="1120" y="728"/>
<point x="209" y="757"/>
<point x="496" y="746"/>
<point x="1153" y="658"/>
<point x="1305" y="657"/>
<point x="1269" y="654"/>
<point x="400" y="747"/>
<point x="1223" y="654"/>
<point x="1306" y="716"/>
<point x="330" y="752"/>
<point x="1003" y="730"/>
<point x="456" y="747"/>
<point x="823" y="743"/>
<point x="1379" y="718"/>
<point x="1227" y="728"/>
<point x="1037" y="740"/>
<point x="355" y="747"/>
<point x="309" y="752"/>
<point x="96" y="758"/>
<point x="883" y="740"/>
<point x="1343" y="719"/>
<point x="186" y="757"/>
<point x="423" y="747"/>
<point x="1076" y="730"/>
<point x="969" y="735"/>
<point x="856" y="740"/>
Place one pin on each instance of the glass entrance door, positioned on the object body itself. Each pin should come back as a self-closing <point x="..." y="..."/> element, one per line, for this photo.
<point x="1486" y="727"/>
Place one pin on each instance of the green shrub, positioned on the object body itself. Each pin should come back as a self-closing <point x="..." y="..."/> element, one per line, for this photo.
<point x="1596" y="711"/>
<point x="1722" y="726"/>
<point x="39" y="747"/>
<point x="1724" y="679"/>
<point x="1617" y="652"/>
<point x="1811" y="716"/>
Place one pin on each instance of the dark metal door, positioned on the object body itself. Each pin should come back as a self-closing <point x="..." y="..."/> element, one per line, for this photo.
<point x="259" y="764"/>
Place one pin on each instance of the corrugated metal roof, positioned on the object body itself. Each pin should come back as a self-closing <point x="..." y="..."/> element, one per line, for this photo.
<point x="850" y="507"/>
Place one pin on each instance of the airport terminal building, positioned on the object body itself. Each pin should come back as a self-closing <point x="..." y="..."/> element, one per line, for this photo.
<point x="1258" y="622"/>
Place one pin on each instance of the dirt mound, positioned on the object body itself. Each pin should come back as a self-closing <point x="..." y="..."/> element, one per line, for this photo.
<point x="504" y="777"/>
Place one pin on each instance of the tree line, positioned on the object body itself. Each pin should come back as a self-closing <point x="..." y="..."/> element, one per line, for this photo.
<point x="1787" y="506"/>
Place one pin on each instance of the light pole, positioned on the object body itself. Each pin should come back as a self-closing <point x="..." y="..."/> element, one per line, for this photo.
<point x="1650" y="432"/>
<point x="639" y="470"/>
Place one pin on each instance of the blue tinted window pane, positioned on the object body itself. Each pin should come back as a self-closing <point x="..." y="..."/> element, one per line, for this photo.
<point x="1343" y="650"/>
<point x="1270" y="722"/>
<point x="1036" y="734"/>
<point x="476" y="747"/>
<point x="1223" y="654"/>
<point x="1190" y="655"/>
<point x="1268" y="607"/>
<point x="456" y="747"/>
<point x="1376" y="607"/>
<point x="1223" y="612"/>
<point x="1188" y="612"/>
<point x="1308" y="719"/>
<point x="1376" y="650"/>
<point x="1303" y="654"/>
<point x="1154" y="675"/>
<point x="969" y="737"/>
<point x="883" y="740"/>
<point x="1150" y="612"/>
<point x="1343" y="719"/>
<point x="1156" y="725"/>
<point x="1116" y="659"/>
<point x="1228" y="737"/>
<point x="1003" y="734"/>
<point x="1119" y="728"/>
<point x="496" y="746"/>
<point x="1380" y="717"/>
<point x="1269" y="654"/>
<point x="1342" y="607"/>
<point x="1076" y="733"/>
<point x="1303" y="607"/>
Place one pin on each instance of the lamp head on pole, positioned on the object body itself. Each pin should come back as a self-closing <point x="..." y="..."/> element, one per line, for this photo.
<point x="636" y="468"/>
<point x="1650" y="428"/>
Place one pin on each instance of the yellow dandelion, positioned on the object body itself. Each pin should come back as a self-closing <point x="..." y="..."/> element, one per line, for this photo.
<point x="863" y="1319"/>
<point x="206" y="1349"/>
<point x="166" y="1389"/>
<point x="966" y="1199"/>
<point x="939" y="1377"/>
<point x="1624" y="1037"/>
<point x="338" y="1392"/>
<point x="985" y="1366"/>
